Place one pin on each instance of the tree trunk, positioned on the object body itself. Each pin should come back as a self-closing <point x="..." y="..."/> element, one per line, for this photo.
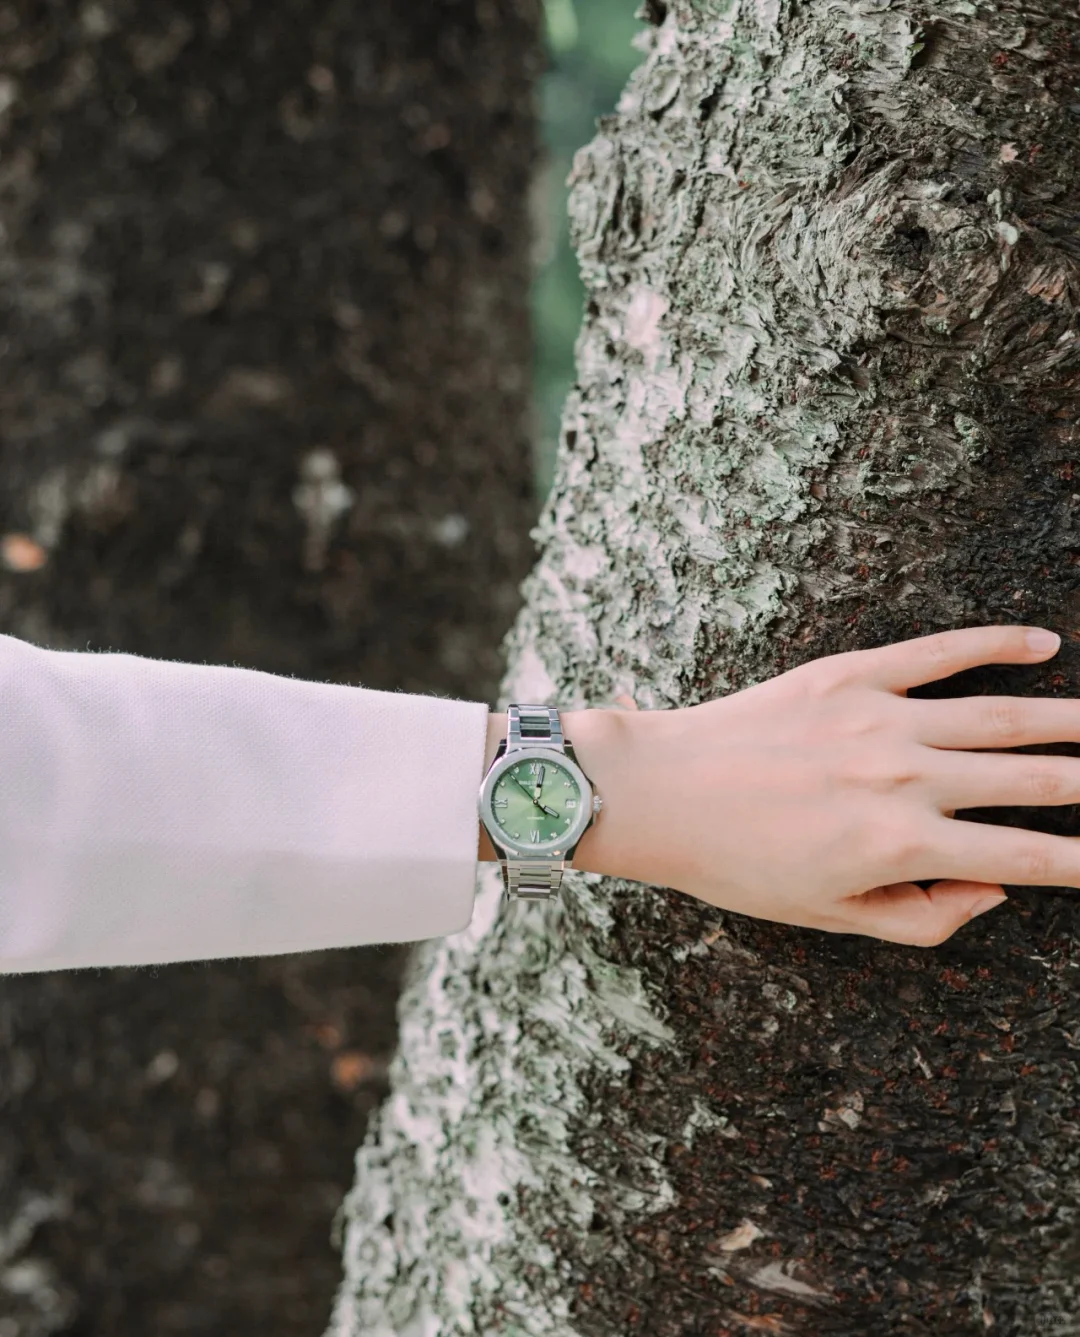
<point x="828" y="390"/>
<point x="263" y="282"/>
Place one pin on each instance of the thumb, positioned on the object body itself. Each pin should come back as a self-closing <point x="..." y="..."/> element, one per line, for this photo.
<point x="904" y="912"/>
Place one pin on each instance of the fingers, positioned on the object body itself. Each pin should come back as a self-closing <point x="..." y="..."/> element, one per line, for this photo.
<point x="906" y="664"/>
<point x="906" y="913"/>
<point x="979" y="852"/>
<point x="964" y="780"/>
<point x="993" y="721"/>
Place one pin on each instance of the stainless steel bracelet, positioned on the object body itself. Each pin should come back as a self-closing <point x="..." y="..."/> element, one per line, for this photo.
<point x="533" y="879"/>
<point x="534" y="726"/>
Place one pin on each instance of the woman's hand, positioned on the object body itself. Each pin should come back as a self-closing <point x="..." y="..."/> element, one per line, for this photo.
<point x="818" y="797"/>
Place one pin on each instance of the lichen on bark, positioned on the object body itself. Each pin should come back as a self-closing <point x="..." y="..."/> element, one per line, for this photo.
<point x="828" y="386"/>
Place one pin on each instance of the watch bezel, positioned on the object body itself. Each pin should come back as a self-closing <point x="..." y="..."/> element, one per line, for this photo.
<point x="561" y="843"/>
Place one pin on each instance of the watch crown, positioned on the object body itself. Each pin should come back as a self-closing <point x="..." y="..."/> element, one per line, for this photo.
<point x="597" y="803"/>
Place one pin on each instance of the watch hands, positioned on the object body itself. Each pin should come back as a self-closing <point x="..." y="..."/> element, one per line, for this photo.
<point x="550" y="811"/>
<point x="532" y="796"/>
<point x="539" y="784"/>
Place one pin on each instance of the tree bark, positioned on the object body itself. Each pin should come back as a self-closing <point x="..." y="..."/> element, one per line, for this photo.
<point x="828" y="391"/>
<point x="263" y="281"/>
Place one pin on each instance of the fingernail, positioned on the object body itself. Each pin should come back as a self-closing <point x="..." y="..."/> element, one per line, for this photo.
<point x="987" y="903"/>
<point x="1042" y="641"/>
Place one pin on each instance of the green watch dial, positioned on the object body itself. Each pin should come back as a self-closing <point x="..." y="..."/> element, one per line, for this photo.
<point x="535" y="801"/>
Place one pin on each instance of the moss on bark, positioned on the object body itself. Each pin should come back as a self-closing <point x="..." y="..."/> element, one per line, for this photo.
<point x="828" y="387"/>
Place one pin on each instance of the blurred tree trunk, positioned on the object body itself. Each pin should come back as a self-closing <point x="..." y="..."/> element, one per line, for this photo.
<point x="263" y="287"/>
<point x="828" y="391"/>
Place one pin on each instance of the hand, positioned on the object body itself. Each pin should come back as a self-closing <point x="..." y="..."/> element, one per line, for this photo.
<point x="819" y="797"/>
<point x="525" y="790"/>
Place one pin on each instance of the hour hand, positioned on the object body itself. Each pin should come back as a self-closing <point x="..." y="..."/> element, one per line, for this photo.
<point x="543" y="807"/>
<point x="539" y="785"/>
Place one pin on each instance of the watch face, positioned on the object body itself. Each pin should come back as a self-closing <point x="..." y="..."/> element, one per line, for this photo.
<point x="535" y="802"/>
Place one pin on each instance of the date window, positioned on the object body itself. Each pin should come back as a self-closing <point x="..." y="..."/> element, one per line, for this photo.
<point x="571" y="802"/>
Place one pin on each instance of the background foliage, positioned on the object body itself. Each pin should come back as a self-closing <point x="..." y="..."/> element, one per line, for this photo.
<point x="590" y="59"/>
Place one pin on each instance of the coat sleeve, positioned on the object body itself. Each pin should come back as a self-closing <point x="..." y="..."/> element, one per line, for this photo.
<point x="153" y="811"/>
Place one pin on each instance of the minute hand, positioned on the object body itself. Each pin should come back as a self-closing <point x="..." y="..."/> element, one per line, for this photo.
<point x="550" y="811"/>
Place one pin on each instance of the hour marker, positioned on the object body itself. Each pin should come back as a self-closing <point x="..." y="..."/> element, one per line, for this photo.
<point x="535" y="837"/>
<point x="571" y="802"/>
<point x="500" y="803"/>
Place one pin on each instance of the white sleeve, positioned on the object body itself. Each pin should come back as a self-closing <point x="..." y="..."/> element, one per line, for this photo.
<point x="153" y="811"/>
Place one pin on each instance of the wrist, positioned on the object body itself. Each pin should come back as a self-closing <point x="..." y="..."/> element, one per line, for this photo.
<point x="496" y="732"/>
<point x="603" y="741"/>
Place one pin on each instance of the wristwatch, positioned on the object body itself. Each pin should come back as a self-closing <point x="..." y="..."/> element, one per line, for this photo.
<point x="535" y="803"/>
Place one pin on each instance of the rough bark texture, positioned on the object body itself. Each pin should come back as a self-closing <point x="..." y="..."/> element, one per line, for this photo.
<point x="263" y="280"/>
<point x="828" y="391"/>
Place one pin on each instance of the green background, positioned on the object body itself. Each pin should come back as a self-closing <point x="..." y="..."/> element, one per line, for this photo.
<point x="590" y="59"/>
